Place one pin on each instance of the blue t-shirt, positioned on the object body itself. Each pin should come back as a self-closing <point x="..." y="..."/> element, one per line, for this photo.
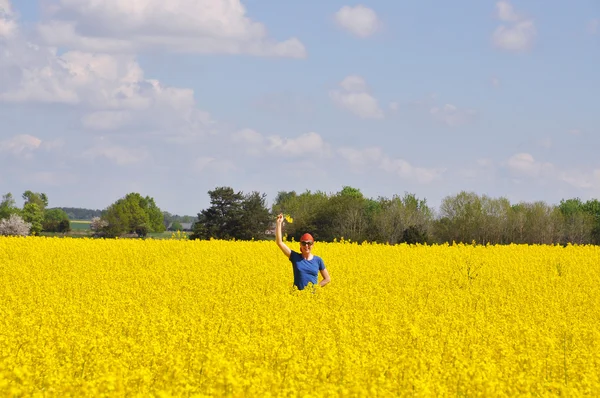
<point x="305" y="271"/>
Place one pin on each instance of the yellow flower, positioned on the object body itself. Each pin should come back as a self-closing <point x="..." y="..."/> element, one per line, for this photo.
<point x="180" y="317"/>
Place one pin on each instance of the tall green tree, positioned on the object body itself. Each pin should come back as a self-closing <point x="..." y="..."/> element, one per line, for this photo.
<point x="577" y="221"/>
<point x="56" y="220"/>
<point x="8" y="206"/>
<point x="349" y="211"/>
<point x="133" y="213"/>
<point x="256" y="217"/>
<point x="223" y="219"/>
<point x="592" y="207"/>
<point x="402" y="219"/>
<point x="39" y="199"/>
<point x="33" y="215"/>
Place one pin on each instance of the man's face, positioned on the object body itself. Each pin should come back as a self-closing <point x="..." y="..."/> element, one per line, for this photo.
<point x="306" y="245"/>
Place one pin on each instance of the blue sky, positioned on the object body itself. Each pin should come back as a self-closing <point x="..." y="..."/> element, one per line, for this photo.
<point x="172" y="99"/>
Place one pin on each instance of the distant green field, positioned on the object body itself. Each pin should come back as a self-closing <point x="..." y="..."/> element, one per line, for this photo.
<point x="80" y="225"/>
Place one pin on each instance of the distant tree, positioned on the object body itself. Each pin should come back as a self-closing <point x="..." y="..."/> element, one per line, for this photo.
<point x="461" y="219"/>
<point x="577" y="223"/>
<point x="186" y="219"/>
<point x="168" y="219"/>
<point x="393" y="218"/>
<point x="284" y="202"/>
<point x="39" y="199"/>
<point x="56" y="220"/>
<point x="256" y="217"/>
<point x="176" y="226"/>
<point x="349" y="212"/>
<point x="14" y="225"/>
<point x="223" y="219"/>
<point x="155" y="215"/>
<point x="8" y="206"/>
<point x="592" y="207"/>
<point x="33" y="215"/>
<point x="413" y="235"/>
<point x="98" y="224"/>
<point x="76" y="213"/>
<point x="133" y="214"/>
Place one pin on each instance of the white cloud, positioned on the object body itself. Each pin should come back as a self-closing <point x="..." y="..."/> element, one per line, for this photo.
<point x="495" y="82"/>
<point x="8" y="23"/>
<point x="355" y="97"/>
<point x="106" y="120"/>
<point x="593" y="26"/>
<point x="110" y="90"/>
<point x="359" y="20"/>
<point x="524" y="164"/>
<point x="374" y="157"/>
<point x="183" y="26"/>
<point x="20" y="145"/>
<point x="247" y="136"/>
<point x="451" y="115"/>
<point x="117" y="154"/>
<point x="506" y="12"/>
<point x="580" y="180"/>
<point x="518" y="35"/>
<point x="518" y="38"/>
<point x="354" y="84"/>
<point x="212" y="164"/>
<point x="310" y="145"/>
<point x="574" y="132"/>
<point x="251" y="140"/>
<point x="52" y="178"/>
<point x="484" y="169"/>
<point x="394" y="106"/>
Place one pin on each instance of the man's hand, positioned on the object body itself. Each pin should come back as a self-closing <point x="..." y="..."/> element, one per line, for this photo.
<point x="280" y="219"/>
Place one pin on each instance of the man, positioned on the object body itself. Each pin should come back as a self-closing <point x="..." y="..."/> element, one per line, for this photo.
<point x="306" y="266"/>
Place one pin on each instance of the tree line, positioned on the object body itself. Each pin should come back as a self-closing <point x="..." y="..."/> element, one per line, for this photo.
<point x="462" y="218"/>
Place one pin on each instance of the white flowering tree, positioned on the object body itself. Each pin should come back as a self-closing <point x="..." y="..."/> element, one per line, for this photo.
<point x="98" y="224"/>
<point x="14" y="226"/>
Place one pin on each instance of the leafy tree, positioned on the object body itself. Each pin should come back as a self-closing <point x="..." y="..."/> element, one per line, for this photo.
<point x="592" y="207"/>
<point x="133" y="214"/>
<point x="56" y="220"/>
<point x="8" y="206"/>
<point x="312" y="214"/>
<point x="155" y="215"/>
<point x="76" y="213"/>
<point x="223" y="219"/>
<point x="284" y="202"/>
<point x="465" y="214"/>
<point x="577" y="223"/>
<point x="186" y="219"/>
<point x="98" y="224"/>
<point x="40" y="199"/>
<point x="168" y="219"/>
<point x="255" y="216"/>
<point x="349" y="212"/>
<point x="394" y="216"/>
<point x="14" y="225"/>
<point x="176" y="226"/>
<point x="413" y="235"/>
<point x="33" y="215"/>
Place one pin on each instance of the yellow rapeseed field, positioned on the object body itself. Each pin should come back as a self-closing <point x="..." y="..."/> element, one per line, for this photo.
<point x="83" y="317"/>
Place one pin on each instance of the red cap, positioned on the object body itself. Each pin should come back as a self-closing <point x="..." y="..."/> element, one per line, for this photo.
<point x="306" y="237"/>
